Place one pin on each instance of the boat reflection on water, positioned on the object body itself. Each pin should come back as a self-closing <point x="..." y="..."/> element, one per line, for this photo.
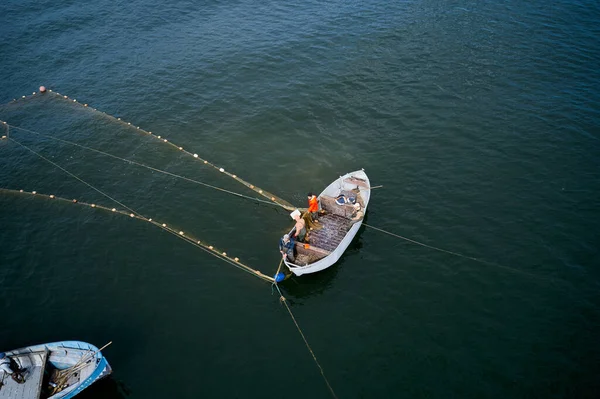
<point x="314" y="285"/>
<point x="107" y="388"/>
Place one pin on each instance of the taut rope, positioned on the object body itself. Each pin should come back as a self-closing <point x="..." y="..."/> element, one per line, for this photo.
<point x="210" y="249"/>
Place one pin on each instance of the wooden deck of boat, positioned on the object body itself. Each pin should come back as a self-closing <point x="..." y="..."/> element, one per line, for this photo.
<point x="332" y="232"/>
<point x="34" y="363"/>
<point x="324" y="240"/>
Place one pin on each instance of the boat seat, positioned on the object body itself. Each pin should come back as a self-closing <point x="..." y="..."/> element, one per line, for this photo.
<point x="307" y="251"/>
<point x="303" y="246"/>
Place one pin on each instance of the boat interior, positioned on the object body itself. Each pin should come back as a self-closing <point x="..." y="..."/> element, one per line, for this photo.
<point x="46" y="372"/>
<point x="332" y="226"/>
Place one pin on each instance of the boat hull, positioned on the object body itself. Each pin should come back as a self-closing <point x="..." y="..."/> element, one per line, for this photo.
<point x="58" y="355"/>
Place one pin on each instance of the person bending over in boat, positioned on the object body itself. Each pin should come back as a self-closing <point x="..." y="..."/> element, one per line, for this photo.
<point x="5" y="368"/>
<point x="300" y="226"/>
<point x="313" y="207"/>
<point x="286" y="247"/>
<point x="358" y="213"/>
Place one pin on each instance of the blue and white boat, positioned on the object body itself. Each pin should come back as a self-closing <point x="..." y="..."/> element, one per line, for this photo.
<point x="57" y="370"/>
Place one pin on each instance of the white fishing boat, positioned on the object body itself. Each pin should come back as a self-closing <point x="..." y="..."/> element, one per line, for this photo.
<point x="336" y="229"/>
<point x="58" y="370"/>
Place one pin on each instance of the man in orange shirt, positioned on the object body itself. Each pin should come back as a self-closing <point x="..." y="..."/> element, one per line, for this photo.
<point x="313" y="206"/>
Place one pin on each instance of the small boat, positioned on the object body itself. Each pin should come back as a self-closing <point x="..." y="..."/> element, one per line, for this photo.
<point x="52" y="371"/>
<point x="335" y="230"/>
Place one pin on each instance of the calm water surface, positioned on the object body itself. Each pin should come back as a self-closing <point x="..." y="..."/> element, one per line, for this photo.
<point x="481" y="121"/>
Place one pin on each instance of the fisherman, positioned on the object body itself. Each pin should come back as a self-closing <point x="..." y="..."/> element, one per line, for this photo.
<point x="6" y="369"/>
<point x="313" y="207"/>
<point x="358" y="213"/>
<point x="300" y="226"/>
<point x="286" y="247"/>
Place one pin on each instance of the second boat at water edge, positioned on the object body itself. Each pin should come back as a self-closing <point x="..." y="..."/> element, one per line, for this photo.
<point x="58" y="370"/>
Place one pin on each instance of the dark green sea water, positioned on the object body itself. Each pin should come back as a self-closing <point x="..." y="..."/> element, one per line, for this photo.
<point x="480" y="119"/>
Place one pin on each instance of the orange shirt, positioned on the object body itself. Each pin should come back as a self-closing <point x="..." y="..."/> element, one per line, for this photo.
<point x="313" y="204"/>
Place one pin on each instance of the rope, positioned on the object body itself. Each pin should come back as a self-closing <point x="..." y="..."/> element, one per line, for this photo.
<point x="456" y="253"/>
<point x="221" y="256"/>
<point x="72" y="175"/>
<point x="145" y="166"/>
<point x="284" y="301"/>
<point x="51" y="196"/>
<point x="180" y="234"/>
<point x="284" y="204"/>
<point x="205" y="247"/>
